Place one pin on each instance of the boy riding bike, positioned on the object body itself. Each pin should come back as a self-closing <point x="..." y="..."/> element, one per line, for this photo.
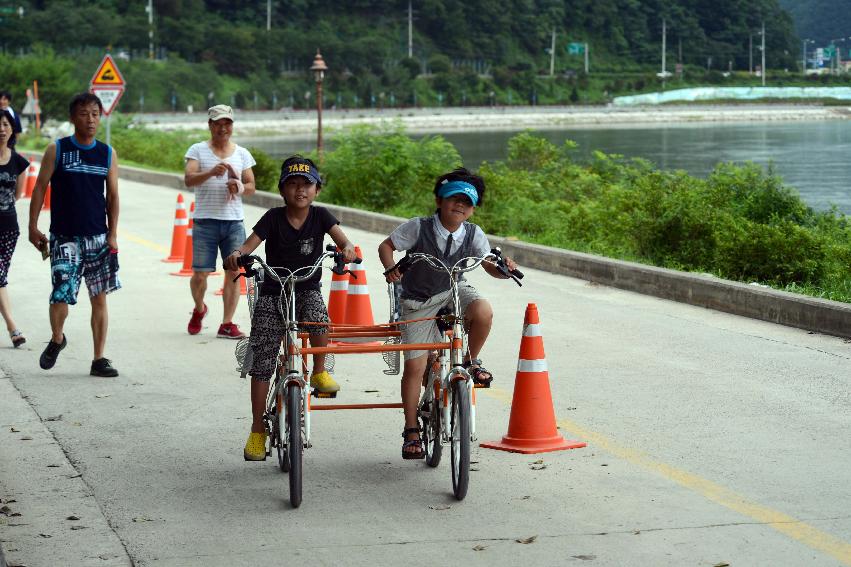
<point x="446" y="235"/>
<point x="294" y="235"/>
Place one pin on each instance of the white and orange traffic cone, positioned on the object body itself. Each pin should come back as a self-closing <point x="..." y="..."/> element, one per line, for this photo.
<point x="337" y="297"/>
<point x="178" y="234"/>
<point x="532" y="424"/>
<point x="32" y="175"/>
<point x="358" y="305"/>
<point x="186" y="270"/>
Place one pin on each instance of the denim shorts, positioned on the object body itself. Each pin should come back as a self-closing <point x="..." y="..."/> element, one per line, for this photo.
<point x="212" y="235"/>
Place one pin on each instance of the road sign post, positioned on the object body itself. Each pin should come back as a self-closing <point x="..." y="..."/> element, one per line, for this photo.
<point x="108" y="84"/>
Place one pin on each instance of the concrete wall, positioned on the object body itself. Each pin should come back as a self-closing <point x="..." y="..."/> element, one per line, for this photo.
<point x="818" y="315"/>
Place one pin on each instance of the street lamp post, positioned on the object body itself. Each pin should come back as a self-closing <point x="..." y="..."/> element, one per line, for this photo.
<point x="319" y="67"/>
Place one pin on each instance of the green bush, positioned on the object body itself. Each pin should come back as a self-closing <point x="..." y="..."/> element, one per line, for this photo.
<point x="266" y="172"/>
<point x="379" y="168"/>
<point x="740" y="222"/>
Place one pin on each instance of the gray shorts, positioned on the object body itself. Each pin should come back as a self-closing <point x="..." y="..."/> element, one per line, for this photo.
<point x="427" y="331"/>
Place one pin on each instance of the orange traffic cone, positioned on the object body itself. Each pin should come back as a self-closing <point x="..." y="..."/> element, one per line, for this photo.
<point x="242" y="289"/>
<point x="358" y="306"/>
<point x="186" y="270"/>
<point x="32" y="175"/>
<point x="532" y="425"/>
<point x="46" y="205"/>
<point x="337" y="297"/>
<point x="178" y="234"/>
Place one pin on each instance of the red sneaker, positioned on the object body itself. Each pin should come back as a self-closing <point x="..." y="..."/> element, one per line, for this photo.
<point x="194" y="326"/>
<point x="230" y="331"/>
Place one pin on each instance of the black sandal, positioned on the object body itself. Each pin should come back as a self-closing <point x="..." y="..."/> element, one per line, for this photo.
<point x="418" y="443"/>
<point x="476" y="373"/>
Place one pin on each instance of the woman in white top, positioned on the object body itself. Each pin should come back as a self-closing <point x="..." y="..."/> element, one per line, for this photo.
<point x="220" y="171"/>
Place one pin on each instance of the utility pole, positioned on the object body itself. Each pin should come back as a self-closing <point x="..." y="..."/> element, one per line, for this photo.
<point x="268" y="15"/>
<point x="763" y="53"/>
<point x="586" y="59"/>
<point x="664" y="48"/>
<point x="410" y="29"/>
<point x="750" y="54"/>
<point x="553" y="54"/>
<point x="150" y="10"/>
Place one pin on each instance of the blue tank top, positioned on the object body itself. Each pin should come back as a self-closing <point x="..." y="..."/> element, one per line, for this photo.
<point x="78" y="188"/>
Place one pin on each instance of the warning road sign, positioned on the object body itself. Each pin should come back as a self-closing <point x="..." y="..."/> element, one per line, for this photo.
<point x="108" y="73"/>
<point x="108" y="96"/>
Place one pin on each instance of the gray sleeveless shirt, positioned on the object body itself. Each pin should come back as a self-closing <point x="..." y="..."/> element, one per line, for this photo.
<point x="421" y="282"/>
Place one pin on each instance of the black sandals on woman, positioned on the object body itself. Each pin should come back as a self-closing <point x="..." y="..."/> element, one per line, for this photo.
<point x="409" y="443"/>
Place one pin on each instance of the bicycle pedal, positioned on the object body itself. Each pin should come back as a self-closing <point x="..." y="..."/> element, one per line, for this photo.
<point x="318" y="394"/>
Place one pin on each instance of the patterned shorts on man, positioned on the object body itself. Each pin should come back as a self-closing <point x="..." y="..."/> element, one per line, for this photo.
<point x="74" y="257"/>
<point x="267" y="328"/>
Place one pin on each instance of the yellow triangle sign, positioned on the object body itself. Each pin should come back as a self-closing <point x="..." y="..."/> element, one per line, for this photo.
<point x="108" y="73"/>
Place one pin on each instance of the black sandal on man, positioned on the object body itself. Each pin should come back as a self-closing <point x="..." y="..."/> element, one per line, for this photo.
<point x="418" y="443"/>
<point x="482" y="377"/>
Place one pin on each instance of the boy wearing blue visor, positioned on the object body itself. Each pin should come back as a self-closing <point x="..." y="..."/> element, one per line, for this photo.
<point x="449" y="236"/>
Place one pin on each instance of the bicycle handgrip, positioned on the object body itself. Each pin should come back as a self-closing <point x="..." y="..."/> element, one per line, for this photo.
<point x="245" y="261"/>
<point x="402" y="265"/>
<point x="516" y="273"/>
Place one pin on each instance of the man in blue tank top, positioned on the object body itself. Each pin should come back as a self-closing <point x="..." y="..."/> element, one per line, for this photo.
<point x="83" y="177"/>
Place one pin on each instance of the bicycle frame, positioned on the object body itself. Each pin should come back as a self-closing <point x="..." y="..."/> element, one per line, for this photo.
<point x="449" y="365"/>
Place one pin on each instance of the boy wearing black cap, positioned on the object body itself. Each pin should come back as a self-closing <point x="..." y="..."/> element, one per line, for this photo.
<point x="449" y="236"/>
<point x="294" y="236"/>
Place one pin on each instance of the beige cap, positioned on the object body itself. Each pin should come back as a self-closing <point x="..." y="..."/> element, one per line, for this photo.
<point x="220" y="111"/>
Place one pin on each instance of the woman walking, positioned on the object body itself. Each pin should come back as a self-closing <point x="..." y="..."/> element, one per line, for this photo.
<point x="12" y="166"/>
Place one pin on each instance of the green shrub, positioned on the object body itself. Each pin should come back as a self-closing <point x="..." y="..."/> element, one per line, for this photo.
<point x="266" y="171"/>
<point x="379" y="168"/>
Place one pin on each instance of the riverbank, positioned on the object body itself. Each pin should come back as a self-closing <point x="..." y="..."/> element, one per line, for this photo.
<point x="436" y="120"/>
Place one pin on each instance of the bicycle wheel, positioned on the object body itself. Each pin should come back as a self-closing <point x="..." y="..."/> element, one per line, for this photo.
<point x="279" y="423"/>
<point x="430" y="432"/>
<point x="460" y="427"/>
<point x="294" y="442"/>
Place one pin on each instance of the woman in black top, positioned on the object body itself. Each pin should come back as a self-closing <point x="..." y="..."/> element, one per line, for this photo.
<point x="12" y="166"/>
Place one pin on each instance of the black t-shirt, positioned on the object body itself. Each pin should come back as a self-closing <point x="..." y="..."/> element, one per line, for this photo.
<point x="290" y="248"/>
<point x="8" y="181"/>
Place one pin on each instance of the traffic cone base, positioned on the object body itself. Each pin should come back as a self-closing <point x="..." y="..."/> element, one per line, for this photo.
<point x="532" y="425"/>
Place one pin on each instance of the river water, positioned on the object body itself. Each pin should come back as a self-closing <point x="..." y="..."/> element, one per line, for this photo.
<point x="812" y="157"/>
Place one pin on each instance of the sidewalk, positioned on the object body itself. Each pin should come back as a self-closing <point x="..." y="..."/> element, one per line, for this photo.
<point x="40" y="487"/>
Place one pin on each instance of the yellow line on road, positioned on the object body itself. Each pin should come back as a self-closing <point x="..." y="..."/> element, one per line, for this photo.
<point x="146" y="243"/>
<point x="783" y="523"/>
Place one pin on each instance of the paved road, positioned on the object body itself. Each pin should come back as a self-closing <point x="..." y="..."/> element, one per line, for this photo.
<point x="712" y="439"/>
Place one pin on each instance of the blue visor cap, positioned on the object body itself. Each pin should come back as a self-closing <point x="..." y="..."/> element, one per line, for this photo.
<point x="456" y="187"/>
<point x="303" y="168"/>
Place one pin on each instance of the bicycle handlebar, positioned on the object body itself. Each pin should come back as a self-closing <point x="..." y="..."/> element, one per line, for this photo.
<point x="339" y="268"/>
<point x="411" y="258"/>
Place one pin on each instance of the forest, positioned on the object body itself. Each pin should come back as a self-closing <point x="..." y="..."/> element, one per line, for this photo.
<point x="471" y="52"/>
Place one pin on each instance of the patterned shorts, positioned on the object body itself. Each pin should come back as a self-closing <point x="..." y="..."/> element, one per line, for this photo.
<point x="267" y="328"/>
<point x="8" y="240"/>
<point x="75" y="257"/>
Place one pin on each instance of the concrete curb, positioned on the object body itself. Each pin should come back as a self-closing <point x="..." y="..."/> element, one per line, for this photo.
<point x="756" y="302"/>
